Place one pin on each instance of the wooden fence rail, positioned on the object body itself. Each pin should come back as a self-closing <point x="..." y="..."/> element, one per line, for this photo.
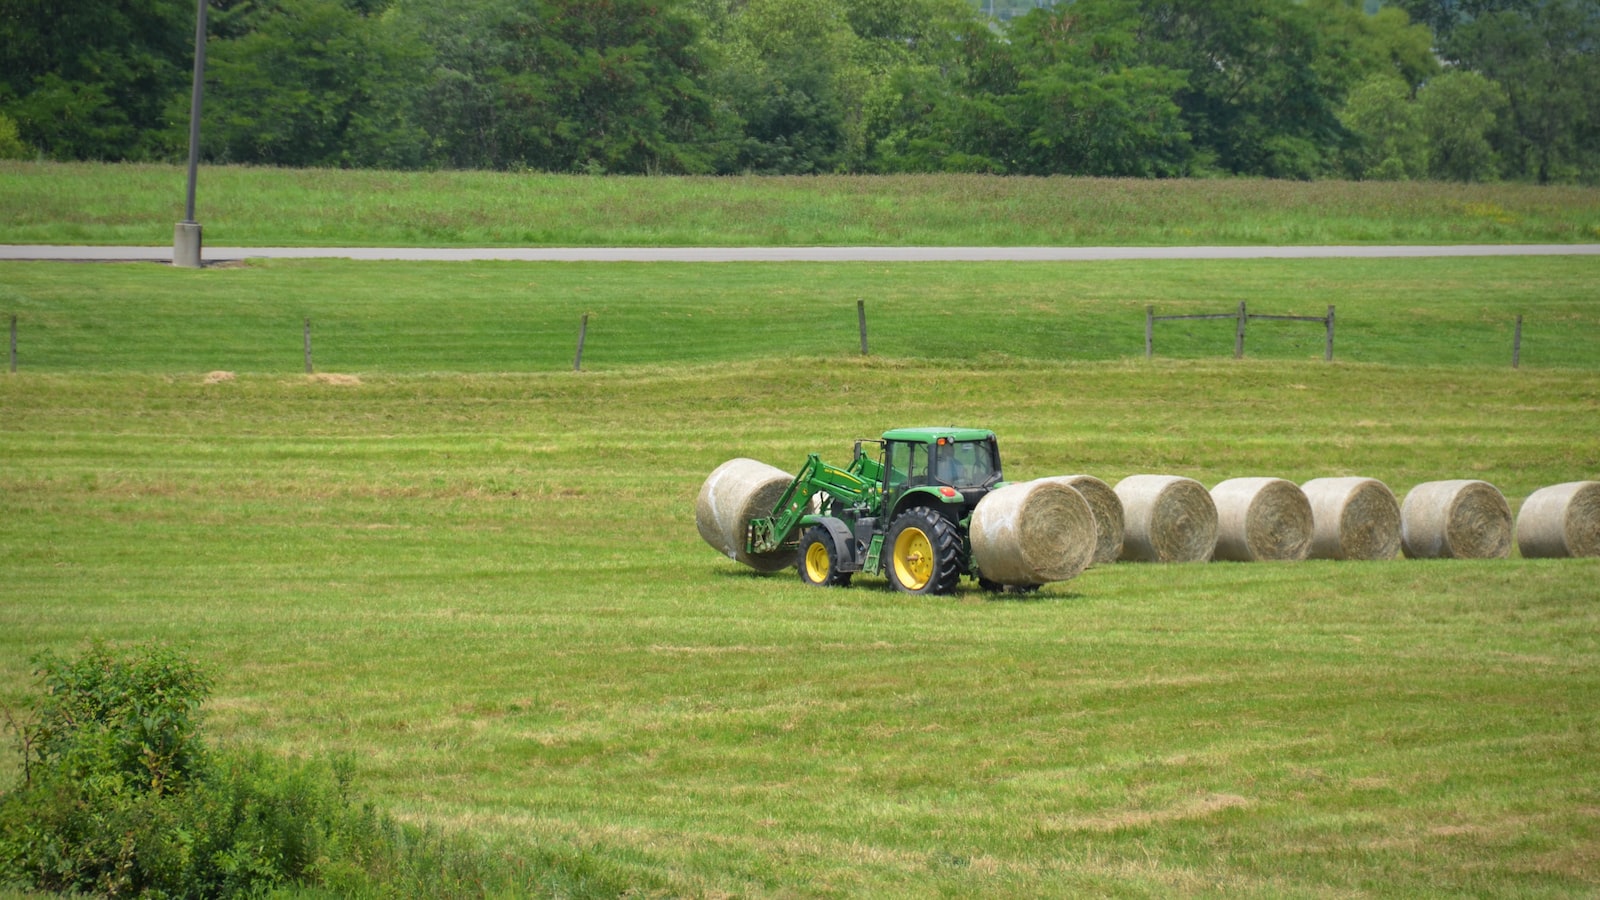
<point x="1241" y="317"/>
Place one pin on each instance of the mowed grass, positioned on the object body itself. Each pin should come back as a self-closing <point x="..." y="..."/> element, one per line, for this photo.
<point x="476" y="572"/>
<point x="88" y="203"/>
<point x="487" y="589"/>
<point x="395" y="318"/>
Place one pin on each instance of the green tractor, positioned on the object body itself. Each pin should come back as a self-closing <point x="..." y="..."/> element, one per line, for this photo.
<point x="903" y="510"/>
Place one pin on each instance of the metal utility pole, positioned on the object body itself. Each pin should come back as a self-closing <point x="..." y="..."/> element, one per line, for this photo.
<point x="186" y="235"/>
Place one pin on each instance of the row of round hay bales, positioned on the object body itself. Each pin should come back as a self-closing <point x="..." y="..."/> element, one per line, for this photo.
<point x="1169" y="518"/>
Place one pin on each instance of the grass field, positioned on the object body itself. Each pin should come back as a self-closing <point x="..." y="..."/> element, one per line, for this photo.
<point x="49" y="203"/>
<point x="488" y="590"/>
<point x="518" y="317"/>
<point x="476" y="573"/>
<point x="486" y="587"/>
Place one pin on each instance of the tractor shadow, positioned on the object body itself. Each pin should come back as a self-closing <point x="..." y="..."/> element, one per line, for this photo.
<point x="965" y="592"/>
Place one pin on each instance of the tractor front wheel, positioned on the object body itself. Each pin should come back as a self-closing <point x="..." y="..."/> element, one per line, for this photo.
<point x="819" y="559"/>
<point x="924" y="552"/>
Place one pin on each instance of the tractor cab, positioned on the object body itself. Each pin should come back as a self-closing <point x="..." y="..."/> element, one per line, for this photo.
<point x="951" y="465"/>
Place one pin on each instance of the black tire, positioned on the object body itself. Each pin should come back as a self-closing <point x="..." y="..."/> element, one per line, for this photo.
<point x="818" y="559"/>
<point x="924" y="551"/>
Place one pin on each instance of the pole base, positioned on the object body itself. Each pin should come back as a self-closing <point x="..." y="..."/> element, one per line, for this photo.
<point x="186" y="245"/>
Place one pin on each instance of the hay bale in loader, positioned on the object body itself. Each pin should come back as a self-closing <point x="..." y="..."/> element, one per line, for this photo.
<point x="1168" y="518"/>
<point x="1353" y="518"/>
<point x="1261" y="519"/>
<point x="1561" y="520"/>
<point x="1455" y="519"/>
<point x="733" y="494"/>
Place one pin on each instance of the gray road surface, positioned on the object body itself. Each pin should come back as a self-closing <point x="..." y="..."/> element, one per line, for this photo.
<point x="787" y="254"/>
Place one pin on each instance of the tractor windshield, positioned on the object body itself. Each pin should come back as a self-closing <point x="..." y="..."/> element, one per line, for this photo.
<point x="966" y="464"/>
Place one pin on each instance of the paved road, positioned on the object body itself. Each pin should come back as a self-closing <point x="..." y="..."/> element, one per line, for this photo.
<point x="787" y="254"/>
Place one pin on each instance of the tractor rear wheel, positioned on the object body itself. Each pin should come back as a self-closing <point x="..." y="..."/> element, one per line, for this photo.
<point x="819" y="559"/>
<point x="924" y="552"/>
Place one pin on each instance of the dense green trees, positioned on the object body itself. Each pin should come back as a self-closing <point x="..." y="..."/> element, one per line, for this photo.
<point x="1456" y="89"/>
<point x="313" y="83"/>
<point x="92" y="80"/>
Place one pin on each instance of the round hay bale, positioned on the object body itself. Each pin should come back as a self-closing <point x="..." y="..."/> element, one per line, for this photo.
<point x="1167" y="518"/>
<point x="734" y="493"/>
<point x="1032" y="533"/>
<point x="1107" y="511"/>
<point x="1354" y="518"/>
<point x="1460" y="519"/>
<point x="1561" y="520"/>
<point x="1261" y="519"/>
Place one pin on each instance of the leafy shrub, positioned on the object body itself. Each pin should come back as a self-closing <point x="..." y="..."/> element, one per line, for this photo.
<point x="120" y="797"/>
<point x="11" y="145"/>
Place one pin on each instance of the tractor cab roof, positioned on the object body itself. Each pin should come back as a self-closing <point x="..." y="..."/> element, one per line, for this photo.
<point x="932" y="435"/>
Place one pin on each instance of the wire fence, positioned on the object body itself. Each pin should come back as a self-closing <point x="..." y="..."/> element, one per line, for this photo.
<point x="1241" y="316"/>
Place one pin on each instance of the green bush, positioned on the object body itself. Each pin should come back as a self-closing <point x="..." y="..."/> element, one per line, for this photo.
<point x="11" y="145"/>
<point x="119" y="797"/>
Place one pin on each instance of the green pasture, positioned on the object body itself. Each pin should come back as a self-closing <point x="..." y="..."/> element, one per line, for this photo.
<point x="475" y="572"/>
<point x="407" y="318"/>
<point x="90" y="203"/>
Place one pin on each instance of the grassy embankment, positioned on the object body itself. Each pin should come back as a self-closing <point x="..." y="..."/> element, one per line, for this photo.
<point x="45" y="203"/>
<point x="486" y="586"/>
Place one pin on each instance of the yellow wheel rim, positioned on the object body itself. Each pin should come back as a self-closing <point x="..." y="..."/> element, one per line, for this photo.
<point x="817" y="562"/>
<point x="913" y="559"/>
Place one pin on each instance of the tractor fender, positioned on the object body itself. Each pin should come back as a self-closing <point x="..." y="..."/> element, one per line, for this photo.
<point x="928" y="495"/>
<point x="843" y="538"/>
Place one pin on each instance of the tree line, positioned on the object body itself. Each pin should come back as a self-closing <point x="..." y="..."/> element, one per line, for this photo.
<point x="1468" y="90"/>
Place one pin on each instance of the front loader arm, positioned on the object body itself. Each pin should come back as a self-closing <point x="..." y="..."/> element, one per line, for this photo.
<point x="769" y="533"/>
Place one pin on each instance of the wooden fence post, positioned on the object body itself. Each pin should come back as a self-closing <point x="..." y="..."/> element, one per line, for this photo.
<point x="1149" y="330"/>
<point x="309" y="368"/>
<point x="1516" y="345"/>
<point x="1327" y="346"/>
<point x="583" y="334"/>
<point x="1238" y="337"/>
<point x="861" y="323"/>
